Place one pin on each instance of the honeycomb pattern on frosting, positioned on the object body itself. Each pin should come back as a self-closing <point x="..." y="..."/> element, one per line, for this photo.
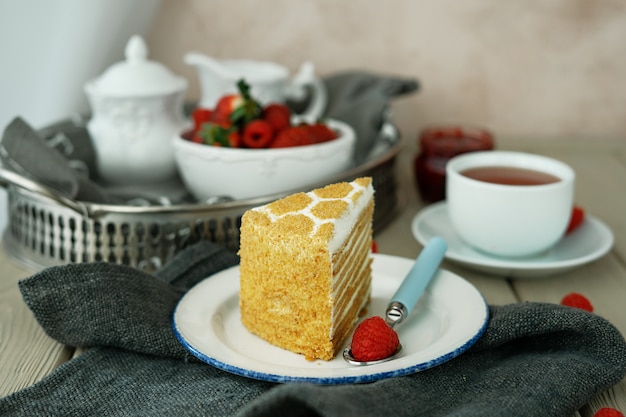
<point x="315" y="213"/>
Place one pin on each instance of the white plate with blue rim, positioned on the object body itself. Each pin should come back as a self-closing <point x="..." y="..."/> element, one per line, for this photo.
<point x="588" y="242"/>
<point x="447" y="320"/>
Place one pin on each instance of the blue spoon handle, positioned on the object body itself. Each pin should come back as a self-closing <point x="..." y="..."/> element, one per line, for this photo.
<point x="420" y="275"/>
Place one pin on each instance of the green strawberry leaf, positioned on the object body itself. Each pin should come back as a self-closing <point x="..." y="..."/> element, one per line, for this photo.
<point x="213" y="134"/>
<point x="249" y="110"/>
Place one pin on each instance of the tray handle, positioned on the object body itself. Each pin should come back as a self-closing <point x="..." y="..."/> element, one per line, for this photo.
<point x="8" y="177"/>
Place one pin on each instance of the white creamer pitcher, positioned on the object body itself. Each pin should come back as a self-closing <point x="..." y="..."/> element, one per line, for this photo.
<point x="137" y="107"/>
<point x="269" y="82"/>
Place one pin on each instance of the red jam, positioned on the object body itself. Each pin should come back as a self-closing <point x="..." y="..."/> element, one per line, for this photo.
<point x="437" y="146"/>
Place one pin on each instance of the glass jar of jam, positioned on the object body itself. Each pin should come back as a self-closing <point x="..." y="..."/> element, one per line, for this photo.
<point x="439" y="144"/>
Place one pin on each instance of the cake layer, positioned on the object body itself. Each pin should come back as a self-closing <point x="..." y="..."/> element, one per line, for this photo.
<point x="352" y="283"/>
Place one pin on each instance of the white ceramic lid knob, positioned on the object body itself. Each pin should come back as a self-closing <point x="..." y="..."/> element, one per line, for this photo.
<point x="136" y="49"/>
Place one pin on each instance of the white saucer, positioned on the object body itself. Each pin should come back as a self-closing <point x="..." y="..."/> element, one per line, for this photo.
<point x="590" y="241"/>
<point x="448" y="319"/>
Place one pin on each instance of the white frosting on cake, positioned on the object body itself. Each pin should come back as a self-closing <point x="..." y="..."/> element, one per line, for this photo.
<point x="342" y="225"/>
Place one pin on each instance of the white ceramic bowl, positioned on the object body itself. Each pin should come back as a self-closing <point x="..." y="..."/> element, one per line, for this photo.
<point x="213" y="171"/>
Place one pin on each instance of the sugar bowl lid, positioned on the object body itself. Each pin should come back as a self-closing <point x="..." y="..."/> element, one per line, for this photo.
<point x="136" y="75"/>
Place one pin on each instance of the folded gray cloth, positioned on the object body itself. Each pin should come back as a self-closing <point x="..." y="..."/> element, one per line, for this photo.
<point x="357" y="98"/>
<point x="361" y="99"/>
<point x="24" y="151"/>
<point x="534" y="359"/>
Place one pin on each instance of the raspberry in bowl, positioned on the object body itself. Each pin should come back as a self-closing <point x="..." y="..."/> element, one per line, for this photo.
<point x="242" y="150"/>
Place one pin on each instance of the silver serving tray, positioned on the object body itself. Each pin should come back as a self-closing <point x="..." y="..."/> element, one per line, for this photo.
<point x="45" y="229"/>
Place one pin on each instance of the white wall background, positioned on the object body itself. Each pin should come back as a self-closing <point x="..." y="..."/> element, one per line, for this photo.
<point x="49" y="49"/>
<point x="533" y="69"/>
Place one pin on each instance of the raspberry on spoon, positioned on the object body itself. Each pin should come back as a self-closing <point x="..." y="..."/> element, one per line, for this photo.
<point x="374" y="339"/>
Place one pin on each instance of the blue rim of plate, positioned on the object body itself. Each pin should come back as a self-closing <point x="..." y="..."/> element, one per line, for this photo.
<point x="364" y="375"/>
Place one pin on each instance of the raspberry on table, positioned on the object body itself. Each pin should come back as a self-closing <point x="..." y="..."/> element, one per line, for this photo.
<point x="608" y="412"/>
<point x="373" y="340"/>
<point x="577" y="300"/>
<point x="577" y="218"/>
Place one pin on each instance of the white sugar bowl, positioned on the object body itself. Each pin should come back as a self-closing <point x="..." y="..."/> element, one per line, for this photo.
<point x="137" y="107"/>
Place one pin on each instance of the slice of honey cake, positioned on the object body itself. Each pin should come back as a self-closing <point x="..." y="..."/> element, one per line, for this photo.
<point x="305" y="271"/>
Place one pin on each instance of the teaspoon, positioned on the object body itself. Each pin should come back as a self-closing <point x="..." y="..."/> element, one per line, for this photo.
<point x="411" y="289"/>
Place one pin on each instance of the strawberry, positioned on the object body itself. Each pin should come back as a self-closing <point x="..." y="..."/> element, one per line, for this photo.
<point x="321" y="132"/>
<point x="374" y="247"/>
<point x="373" y="339"/>
<point x="292" y="136"/>
<point x="277" y="115"/>
<point x="608" y="412"/>
<point x="577" y="218"/>
<point x="238" y="109"/>
<point x="257" y="134"/>
<point x="225" y="106"/>
<point x="200" y="116"/>
<point x="577" y="300"/>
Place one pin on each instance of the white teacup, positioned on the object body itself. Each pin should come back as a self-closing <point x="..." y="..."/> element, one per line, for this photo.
<point x="509" y="220"/>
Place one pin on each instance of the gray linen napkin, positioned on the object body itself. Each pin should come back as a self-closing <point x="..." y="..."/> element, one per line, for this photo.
<point x="24" y="151"/>
<point x="361" y="99"/>
<point x="533" y="360"/>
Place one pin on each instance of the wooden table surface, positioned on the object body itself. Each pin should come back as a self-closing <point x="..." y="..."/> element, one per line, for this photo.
<point x="27" y="354"/>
